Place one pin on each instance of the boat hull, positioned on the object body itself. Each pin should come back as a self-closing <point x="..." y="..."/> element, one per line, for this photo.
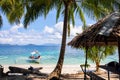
<point x="34" y="60"/>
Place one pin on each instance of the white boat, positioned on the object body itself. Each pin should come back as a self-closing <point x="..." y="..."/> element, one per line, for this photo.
<point x="34" y="57"/>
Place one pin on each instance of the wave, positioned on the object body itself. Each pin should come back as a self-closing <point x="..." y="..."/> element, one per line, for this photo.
<point x="48" y="57"/>
<point x="23" y="58"/>
<point x="3" y="57"/>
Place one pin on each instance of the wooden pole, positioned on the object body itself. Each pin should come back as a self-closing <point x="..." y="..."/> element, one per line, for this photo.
<point x="85" y="78"/>
<point x="119" y="49"/>
<point x="119" y="52"/>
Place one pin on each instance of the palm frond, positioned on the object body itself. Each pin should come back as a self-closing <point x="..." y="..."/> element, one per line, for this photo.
<point x="58" y="11"/>
<point x="81" y="15"/>
<point x="96" y="8"/>
<point x="13" y="9"/>
<point x="71" y="16"/>
<point x="38" y="8"/>
<point x="5" y="7"/>
<point x="15" y="14"/>
<point x="33" y="12"/>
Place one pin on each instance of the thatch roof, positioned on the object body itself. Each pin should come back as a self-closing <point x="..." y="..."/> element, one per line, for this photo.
<point x="105" y="32"/>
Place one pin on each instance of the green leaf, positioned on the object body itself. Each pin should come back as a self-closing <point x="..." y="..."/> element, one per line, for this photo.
<point x="58" y="11"/>
<point x="81" y="15"/>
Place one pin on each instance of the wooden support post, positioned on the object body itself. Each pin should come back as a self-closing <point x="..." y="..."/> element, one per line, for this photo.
<point x="85" y="78"/>
<point x="119" y="49"/>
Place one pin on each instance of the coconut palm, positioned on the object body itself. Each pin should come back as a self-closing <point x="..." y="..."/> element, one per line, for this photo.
<point x="66" y="8"/>
<point x="97" y="53"/>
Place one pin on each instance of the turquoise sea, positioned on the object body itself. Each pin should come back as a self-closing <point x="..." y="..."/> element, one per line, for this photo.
<point x="14" y="54"/>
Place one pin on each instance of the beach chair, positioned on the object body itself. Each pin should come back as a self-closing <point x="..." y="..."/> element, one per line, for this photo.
<point x="91" y="74"/>
<point x="94" y="76"/>
<point x="83" y="66"/>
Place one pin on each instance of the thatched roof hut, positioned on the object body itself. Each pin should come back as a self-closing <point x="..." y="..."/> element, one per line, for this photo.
<point x="105" y="32"/>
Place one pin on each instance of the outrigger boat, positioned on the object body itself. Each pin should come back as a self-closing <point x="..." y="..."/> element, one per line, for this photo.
<point x="35" y="57"/>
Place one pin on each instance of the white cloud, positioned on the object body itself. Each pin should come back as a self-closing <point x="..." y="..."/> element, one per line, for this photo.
<point x="14" y="36"/>
<point x="48" y="30"/>
<point x="59" y="27"/>
<point x="58" y="35"/>
<point x="48" y="35"/>
<point x="6" y="40"/>
<point x="16" y="27"/>
<point x="75" y="30"/>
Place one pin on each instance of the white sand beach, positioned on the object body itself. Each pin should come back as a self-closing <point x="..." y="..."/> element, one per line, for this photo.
<point x="67" y="69"/>
<point x="73" y="70"/>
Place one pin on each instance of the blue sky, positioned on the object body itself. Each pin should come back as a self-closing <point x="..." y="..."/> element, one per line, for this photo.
<point x="41" y="31"/>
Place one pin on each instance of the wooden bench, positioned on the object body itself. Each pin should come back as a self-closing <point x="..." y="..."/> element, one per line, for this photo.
<point x="91" y="74"/>
<point x="94" y="76"/>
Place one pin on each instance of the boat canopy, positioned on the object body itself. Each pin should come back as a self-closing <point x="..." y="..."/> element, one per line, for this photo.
<point x="34" y="52"/>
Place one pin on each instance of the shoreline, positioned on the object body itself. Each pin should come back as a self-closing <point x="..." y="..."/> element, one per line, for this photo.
<point x="67" y="69"/>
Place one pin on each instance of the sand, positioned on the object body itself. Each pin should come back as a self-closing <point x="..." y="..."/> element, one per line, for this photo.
<point x="67" y="69"/>
<point x="71" y="71"/>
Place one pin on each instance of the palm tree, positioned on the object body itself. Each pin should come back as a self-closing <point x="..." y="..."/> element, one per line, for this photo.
<point x="66" y="8"/>
<point x="69" y="7"/>
<point x="97" y="53"/>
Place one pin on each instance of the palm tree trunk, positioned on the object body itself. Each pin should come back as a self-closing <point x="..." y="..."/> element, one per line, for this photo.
<point x="57" y="71"/>
<point x="85" y="78"/>
<point x="97" y="66"/>
<point x="1" y="22"/>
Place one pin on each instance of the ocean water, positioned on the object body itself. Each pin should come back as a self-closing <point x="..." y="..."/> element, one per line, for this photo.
<point x="49" y="55"/>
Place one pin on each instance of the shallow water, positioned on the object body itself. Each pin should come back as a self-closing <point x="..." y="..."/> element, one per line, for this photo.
<point x="49" y="55"/>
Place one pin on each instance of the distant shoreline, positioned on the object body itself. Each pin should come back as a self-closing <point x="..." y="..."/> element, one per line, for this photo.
<point x="30" y="45"/>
